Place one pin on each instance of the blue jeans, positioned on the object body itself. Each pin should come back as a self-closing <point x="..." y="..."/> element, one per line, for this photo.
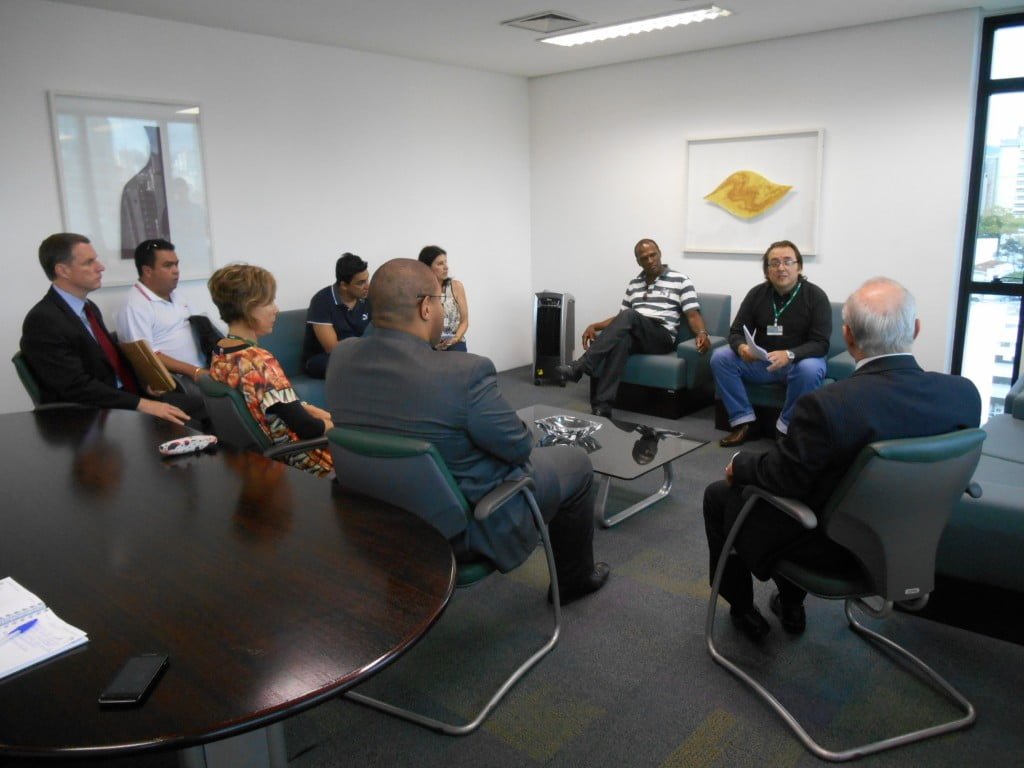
<point x="731" y="372"/>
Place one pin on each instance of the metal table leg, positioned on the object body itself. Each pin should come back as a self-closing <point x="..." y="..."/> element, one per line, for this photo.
<point x="607" y="521"/>
<point x="262" y="748"/>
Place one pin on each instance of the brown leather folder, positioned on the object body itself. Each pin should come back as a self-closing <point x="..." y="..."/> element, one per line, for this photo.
<point x="149" y="368"/>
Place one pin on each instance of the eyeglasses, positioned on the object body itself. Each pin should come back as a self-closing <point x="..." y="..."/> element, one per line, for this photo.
<point x="422" y="296"/>
<point x="776" y="263"/>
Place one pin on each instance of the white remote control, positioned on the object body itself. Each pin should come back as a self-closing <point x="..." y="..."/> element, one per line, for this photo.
<point x="192" y="444"/>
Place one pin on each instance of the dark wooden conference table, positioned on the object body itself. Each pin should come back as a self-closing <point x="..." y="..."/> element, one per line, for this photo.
<point x="269" y="590"/>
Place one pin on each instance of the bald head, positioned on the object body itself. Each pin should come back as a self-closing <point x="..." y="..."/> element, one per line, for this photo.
<point x="881" y="318"/>
<point x="642" y="243"/>
<point x="394" y="296"/>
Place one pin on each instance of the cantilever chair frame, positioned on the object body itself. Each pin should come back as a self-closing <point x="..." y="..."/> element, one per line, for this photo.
<point x="235" y="426"/>
<point x="354" y="452"/>
<point x="867" y="600"/>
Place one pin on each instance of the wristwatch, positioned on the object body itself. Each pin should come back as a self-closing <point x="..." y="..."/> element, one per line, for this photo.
<point x="790" y="355"/>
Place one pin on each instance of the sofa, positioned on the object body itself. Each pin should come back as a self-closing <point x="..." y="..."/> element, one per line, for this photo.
<point x="984" y="539"/>
<point x="680" y="381"/>
<point x="285" y="343"/>
<point x="768" y="399"/>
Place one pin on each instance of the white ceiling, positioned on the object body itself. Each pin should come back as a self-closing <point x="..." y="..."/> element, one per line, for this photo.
<point x="467" y="33"/>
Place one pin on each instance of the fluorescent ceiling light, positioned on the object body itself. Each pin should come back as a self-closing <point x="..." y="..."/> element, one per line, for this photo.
<point x="188" y="111"/>
<point x="649" y="24"/>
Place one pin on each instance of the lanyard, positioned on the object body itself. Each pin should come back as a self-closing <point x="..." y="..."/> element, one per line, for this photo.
<point x="251" y="342"/>
<point x="778" y="312"/>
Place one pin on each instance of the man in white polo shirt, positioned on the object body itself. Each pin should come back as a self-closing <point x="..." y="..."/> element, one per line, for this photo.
<point x="155" y="313"/>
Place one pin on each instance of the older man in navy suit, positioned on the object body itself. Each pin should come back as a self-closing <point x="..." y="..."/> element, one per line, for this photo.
<point x="888" y="397"/>
<point x="393" y="380"/>
<point x="67" y="346"/>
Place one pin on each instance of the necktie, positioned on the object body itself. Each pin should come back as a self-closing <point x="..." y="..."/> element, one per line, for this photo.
<point x="123" y="373"/>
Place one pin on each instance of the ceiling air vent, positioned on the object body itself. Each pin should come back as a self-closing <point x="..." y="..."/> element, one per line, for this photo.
<point x="545" y="22"/>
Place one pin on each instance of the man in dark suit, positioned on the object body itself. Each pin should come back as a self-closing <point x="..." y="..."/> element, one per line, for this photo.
<point x="67" y="346"/>
<point x="392" y="380"/>
<point x="888" y="397"/>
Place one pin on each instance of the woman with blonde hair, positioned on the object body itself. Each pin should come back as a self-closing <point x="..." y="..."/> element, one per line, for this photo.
<point x="244" y="295"/>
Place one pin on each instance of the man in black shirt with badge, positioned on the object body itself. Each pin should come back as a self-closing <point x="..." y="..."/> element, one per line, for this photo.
<point x="790" y="320"/>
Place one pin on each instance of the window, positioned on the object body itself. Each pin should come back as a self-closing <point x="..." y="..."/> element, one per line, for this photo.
<point x="990" y="310"/>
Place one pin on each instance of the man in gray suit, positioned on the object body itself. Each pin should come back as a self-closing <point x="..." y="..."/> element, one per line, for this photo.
<point x="392" y="380"/>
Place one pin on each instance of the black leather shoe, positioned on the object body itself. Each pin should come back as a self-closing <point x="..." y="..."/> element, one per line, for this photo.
<point x="601" y="410"/>
<point x="570" y="372"/>
<point x="750" y="622"/>
<point x="740" y="435"/>
<point x="569" y="593"/>
<point x="793" y="618"/>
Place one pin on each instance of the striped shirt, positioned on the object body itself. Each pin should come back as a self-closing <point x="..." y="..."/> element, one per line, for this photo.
<point x="664" y="301"/>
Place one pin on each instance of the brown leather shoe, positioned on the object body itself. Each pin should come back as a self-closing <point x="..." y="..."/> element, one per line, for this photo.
<point x="740" y="435"/>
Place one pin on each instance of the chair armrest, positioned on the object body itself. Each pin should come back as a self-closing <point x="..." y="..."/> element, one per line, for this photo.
<point x="840" y="366"/>
<point x="493" y="500"/>
<point x="698" y="366"/>
<point x="795" y="509"/>
<point x="287" y="449"/>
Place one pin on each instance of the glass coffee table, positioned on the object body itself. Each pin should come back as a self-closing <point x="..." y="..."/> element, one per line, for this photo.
<point x="617" y="448"/>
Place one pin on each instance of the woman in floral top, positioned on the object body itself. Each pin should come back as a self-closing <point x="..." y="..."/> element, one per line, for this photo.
<point x="244" y="295"/>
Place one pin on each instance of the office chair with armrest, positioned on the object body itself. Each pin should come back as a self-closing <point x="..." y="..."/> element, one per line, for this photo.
<point x="235" y="426"/>
<point x="411" y="474"/>
<point x="889" y="512"/>
<point x="28" y="379"/>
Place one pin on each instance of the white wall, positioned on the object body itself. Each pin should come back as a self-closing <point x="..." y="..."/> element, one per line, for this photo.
<point x="313" y="150"/>
<point x="310" y="151"/>
<point x="896" y="102"/>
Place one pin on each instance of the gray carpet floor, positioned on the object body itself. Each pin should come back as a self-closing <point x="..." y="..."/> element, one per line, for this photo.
<point x="630" y="682"/>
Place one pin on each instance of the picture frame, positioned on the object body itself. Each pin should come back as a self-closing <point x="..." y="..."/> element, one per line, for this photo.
<point x="789" y="158"/>
<point x="130" y="170"/>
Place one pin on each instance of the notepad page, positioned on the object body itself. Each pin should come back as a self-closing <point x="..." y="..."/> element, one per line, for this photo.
<point x="16" y="602"/>
<point x="49" y="637"/>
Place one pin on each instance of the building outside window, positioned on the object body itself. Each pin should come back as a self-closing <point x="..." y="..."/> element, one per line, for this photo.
<point x="990" y="311"/>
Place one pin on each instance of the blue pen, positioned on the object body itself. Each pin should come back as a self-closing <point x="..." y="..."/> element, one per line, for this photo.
<point x="18" y="631"/>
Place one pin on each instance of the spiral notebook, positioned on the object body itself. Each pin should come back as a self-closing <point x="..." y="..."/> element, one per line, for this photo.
<point x="30" y="632"/>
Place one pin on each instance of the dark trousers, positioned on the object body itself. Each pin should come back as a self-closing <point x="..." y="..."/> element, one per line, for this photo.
<point x="630" y="332"/>
<point x="189" y="398"/>
<point x="563" y="477"/>
<point x="316" y="366"/>
<point x="767" y="533"/>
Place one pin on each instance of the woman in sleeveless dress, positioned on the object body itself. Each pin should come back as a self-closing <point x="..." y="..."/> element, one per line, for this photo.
<point x="453" y="298"/>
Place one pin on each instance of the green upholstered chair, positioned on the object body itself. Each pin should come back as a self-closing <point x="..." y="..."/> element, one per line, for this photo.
<point x="679" y="381"/>
<point x="285" y="343"/>
<point x="888" y="511"/>
<point x="235" y="426"/>
<point x="411" y="474"/>
<point x="28" y="379"/>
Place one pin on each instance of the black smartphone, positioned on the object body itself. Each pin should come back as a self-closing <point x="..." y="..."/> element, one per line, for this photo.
<point x="134" y="679"/>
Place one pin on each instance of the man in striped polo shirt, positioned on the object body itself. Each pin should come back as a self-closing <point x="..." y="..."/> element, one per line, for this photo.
<point x="647" y="322"/>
